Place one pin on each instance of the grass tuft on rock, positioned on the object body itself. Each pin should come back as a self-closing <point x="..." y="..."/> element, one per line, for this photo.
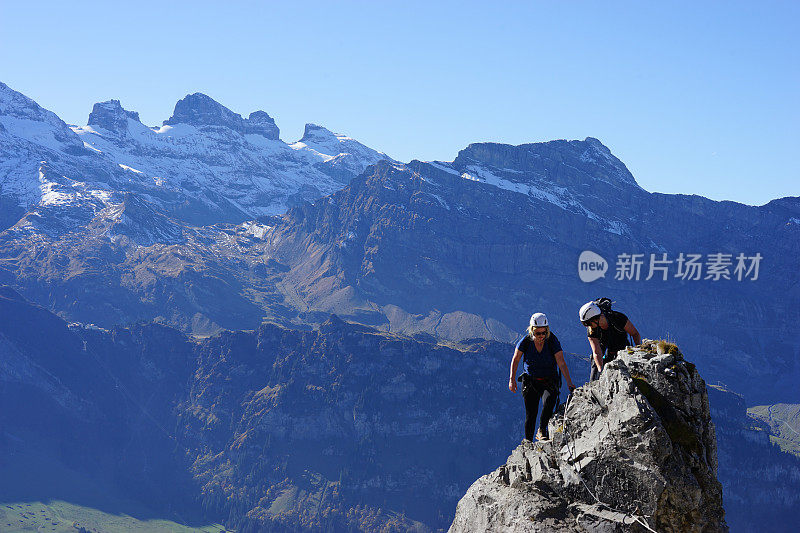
<point x="665" y="347"/>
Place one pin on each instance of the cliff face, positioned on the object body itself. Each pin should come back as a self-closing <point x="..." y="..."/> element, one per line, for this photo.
<point x="343" y="428"/>
<point x="761" y="482"/>
<point x="633" y="451"/>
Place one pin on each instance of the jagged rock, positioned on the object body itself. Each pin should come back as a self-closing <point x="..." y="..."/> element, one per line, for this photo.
<point x="633" y="451"/>
<point x="261" y="123"/>
<point x="199" y="109"/>
<point x="111" y="116"/>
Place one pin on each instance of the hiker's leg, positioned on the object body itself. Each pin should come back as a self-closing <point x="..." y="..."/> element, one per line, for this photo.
<point x="593" y="373"/>
<point x="531" y="396"/>
<point x="549" y="397"/>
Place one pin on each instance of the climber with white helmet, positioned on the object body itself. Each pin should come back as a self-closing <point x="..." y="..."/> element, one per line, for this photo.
<point x="607" y="331"/>
<point x="541" y="356"/>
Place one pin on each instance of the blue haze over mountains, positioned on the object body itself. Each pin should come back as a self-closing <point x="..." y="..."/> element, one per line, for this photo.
<point x="212" y="222"/>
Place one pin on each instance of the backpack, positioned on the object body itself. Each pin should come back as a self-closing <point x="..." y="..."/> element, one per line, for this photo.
<point x="604" y="304"/>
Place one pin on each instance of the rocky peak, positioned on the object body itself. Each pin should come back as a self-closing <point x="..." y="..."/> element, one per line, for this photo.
<point x="111" y="116"/>
<point x="315" y="133"/>
<point x="142" y="223"/>
<point x="261" y="123"/>
<point x="348" y="156"/>
<point x="199" y="109"/>
<point x="12" y="102"/>
<point x="566" y="162"/>
<point x="634" y="451"/>
<point x="16" y="106"/>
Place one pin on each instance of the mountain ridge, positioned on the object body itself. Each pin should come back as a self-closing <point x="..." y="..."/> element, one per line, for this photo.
<point x="458" y="250"/>
<point x="207" y="164"/>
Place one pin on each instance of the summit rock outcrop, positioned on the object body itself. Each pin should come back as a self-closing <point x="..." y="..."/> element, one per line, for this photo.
<point x="200" y="110"/>
<point x="111" y="116"/>
<point x="634" y="451"/>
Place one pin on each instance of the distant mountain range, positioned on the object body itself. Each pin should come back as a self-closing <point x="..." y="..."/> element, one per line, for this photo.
<point x="205" y="165"/>
<point x="116" y="222"/>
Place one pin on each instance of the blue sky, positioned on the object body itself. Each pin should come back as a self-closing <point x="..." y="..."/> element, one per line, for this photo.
<point x="697" y="97"/>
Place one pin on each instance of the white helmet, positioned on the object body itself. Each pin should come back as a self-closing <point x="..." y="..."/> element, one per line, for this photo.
<point x="539" y="320"/>
<point x="588" y="312"/>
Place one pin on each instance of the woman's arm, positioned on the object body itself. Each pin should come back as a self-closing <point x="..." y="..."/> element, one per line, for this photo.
<point x="512" y="381"/>
<point x="564" y="370"/>
<point x="631" y="329"/>
<point x="596" y="352"/>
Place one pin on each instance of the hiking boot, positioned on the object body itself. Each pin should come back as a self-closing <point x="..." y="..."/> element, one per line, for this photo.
<point x="541" y="437"/>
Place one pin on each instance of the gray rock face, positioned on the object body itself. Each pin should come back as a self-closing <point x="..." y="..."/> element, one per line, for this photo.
<point x="199" y="109"/>
<point x="111" y="116"/>
<point x="587" y="161"/>
<point x="261" y="123"/>
<point x="634" y="451"/>
<point x="472" y="248"/>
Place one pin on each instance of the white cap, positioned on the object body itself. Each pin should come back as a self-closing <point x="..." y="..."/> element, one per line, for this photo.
<point x="539" y="320"/>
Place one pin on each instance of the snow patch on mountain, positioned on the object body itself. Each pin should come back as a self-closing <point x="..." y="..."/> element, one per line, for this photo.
<point x="444" y="167"/>
<point x="441" y="200"/>
<point x="40" y="133"/>
<point x="555" y="195"/>
<point x="338" y="150"/>
<point x="541" y="190"/>
<point x="255" y="229"/>
<point x="126" y="167"/>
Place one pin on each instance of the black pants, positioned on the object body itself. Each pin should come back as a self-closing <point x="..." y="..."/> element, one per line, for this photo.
<point x="593" y="373"/>
<point x="531" y="392"/>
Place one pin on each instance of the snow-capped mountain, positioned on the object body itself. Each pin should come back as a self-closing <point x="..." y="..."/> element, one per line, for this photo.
<point x="340" y="156"/>
<point x="162" y="219"/>
<point x="205" y="164"/>
<point x="42" y="161"/>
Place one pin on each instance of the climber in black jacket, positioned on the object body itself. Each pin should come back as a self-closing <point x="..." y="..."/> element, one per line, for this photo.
<point x="607" y="331"/>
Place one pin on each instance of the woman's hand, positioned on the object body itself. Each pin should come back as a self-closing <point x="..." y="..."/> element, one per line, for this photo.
<point x="512" y="385"/>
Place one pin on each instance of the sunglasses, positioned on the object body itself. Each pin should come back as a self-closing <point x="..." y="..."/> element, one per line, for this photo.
<point x="539" y="333"/>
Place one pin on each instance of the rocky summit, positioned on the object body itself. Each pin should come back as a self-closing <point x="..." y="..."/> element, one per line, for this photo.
<point x="634" y="451"/>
